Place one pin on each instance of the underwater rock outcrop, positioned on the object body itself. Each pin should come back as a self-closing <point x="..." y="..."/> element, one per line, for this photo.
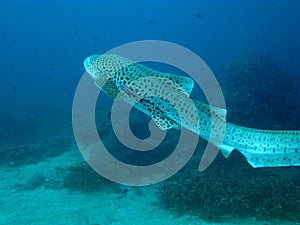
<point x="35" y="181"/>
<point x="224" y="191"/>
<point x="78" y="177"/>
<point x="260" y="94"/>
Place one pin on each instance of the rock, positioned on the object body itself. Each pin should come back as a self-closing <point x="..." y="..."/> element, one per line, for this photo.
<point x="35" y="181"/>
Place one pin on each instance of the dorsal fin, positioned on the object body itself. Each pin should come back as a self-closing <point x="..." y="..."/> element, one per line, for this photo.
<point x="160" y="110"/>
<point x="186" y="83"/>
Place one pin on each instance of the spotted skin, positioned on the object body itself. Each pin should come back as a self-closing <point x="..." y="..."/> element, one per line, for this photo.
<point x="165" y="98"/>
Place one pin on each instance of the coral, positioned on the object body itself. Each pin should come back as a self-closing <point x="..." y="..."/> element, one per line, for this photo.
<point x="229" y="191"/>
<point x="255" y="87"/>
<point x="34" y="182"/>
<point x="28" y="153"/>
<point x="79" y="177"/>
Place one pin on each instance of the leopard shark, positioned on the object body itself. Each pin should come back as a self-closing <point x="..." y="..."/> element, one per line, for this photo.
<point x="159" y="95"/>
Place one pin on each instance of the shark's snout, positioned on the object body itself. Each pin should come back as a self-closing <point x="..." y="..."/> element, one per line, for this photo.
<point x="89" y="65"/>
<point x="86" y="63"/>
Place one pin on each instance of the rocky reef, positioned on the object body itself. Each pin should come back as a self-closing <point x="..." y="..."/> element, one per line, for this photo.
<point x="259" y="93"/>
<point x="79" y="177"/>
<point x="229" y="190"/>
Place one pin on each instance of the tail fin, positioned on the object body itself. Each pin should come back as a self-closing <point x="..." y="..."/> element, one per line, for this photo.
<point x="263" y="148"/>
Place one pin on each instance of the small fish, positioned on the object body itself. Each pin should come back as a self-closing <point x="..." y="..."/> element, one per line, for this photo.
<point x="15" y="87"/>
<point x="75" y="31"/>
<point x="199" y="15"/>
<point x="261" y="148"/>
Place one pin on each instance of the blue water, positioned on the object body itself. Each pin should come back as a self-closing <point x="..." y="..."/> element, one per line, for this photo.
<point x="38" y="37"/>
<point x="43" y="45"/>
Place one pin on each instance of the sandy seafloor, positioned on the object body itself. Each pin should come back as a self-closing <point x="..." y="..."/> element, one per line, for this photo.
<point x="48" y="206"/>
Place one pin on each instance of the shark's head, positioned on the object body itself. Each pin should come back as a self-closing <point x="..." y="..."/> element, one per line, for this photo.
<point x="110" y="72"/>
<point x="113" y="74"/>
<point x="90" y="66"/>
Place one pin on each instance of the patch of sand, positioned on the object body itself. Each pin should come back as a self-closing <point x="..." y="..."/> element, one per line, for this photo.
<point x="48" y="206"/>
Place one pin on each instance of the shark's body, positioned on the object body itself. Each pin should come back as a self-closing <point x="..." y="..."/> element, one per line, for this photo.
<point x="159" y="98"/>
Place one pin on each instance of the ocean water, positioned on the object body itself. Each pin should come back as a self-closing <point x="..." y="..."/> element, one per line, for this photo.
<point x="253" y="49"/>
